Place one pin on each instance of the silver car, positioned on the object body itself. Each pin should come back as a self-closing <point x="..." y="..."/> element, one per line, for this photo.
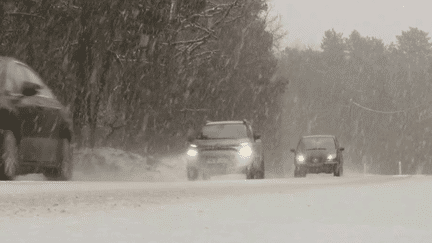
<point x="225" y="147"/>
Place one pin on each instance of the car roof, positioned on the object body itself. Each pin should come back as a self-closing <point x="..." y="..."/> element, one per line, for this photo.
<point x="4" y="62"/>
<point x="319" y="136"/>
<point x="224" y="122"/>
<point x="9" y="59"/>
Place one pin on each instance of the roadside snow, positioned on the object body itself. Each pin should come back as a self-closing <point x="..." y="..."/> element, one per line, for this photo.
<point x="109" y="164"/>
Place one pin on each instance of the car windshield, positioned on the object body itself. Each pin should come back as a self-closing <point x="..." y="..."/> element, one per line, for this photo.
<point x="223" y="131"/>
<point x="317" y="143"/>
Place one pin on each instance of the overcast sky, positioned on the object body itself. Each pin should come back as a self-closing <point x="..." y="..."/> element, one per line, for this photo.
<point x="306" y="21"/>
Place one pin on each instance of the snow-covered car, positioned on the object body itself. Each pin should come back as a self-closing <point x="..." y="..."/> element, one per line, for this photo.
<point x="225" y="147"/>
<point x="35" y="128"/>
<point x="318" y="154"/>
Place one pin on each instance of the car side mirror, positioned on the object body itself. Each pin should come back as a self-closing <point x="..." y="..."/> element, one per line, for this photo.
<point x="292" y="150"/>
<point x="30" y="89"/>
<point x="257" y="136"/>
<point x="341" y="149"/>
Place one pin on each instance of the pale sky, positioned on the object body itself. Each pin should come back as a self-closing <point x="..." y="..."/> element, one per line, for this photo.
<point x="308" y="20"/>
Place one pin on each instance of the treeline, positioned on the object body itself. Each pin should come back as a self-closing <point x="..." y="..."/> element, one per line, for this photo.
<point x="140" y="74"/>
<point x="374" y="97"/>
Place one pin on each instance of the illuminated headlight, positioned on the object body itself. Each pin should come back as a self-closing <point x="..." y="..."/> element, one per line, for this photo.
<point x="245" y="150"/>
<point x="300" y="158"/>
<point x="331" y="156"/>
<point x="192" y="150"/>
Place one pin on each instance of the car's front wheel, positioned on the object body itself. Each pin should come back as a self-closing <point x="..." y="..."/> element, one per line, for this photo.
<point x="250" y="174"/>
<point x="65" y="164"/>
<point x="192" y="173"/>
<point x="300" y="171"/>
<point x="9" y="155"/>
<point x="338" y="170"/>
<point x="259" y="173"/>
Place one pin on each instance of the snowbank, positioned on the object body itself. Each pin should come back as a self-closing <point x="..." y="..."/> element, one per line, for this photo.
<point x="109" y="164"/>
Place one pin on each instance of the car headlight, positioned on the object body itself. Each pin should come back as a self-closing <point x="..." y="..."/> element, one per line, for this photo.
<point x="300" y="158"/>
<point x="331" y="157"/>
<point x="192" y="150"/>
<point x="245" y="150"/>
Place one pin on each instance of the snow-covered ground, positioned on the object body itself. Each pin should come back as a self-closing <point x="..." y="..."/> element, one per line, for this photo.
<point x="313" y="209"/>
<point x="111" y="200"/>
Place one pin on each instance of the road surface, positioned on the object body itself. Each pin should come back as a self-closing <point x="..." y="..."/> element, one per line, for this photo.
<point x="318" y="208"/>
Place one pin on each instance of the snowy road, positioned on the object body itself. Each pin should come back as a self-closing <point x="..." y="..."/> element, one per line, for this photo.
<point x="312" y="209"/>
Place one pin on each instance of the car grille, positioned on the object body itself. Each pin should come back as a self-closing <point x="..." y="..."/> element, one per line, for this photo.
<point x="315" y="160"/>
<point x="219" y="148"/>
<point x="217" y="160"/>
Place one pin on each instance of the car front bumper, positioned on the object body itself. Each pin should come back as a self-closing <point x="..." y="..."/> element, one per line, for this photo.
<point x="221" y="165"/>
<point x="327" y="163"/>
<point x="325" y="167"/>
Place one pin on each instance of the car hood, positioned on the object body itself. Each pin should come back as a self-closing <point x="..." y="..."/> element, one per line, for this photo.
<point x="318" y="153"/>
<point x="202" y="143"/>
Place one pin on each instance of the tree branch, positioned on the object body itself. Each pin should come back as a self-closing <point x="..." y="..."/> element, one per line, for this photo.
<point x="191" y="41"/>
<point x="189" y="109"/>
<point x="24" y="14"/>
<point x="227" y="12"/>
<point x="207" y="30"/>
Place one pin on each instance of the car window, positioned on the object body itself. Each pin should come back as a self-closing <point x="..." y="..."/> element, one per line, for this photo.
<point x="34" y="78"/>
<point x="317" y="143"/>
<point x="221" y="131"/>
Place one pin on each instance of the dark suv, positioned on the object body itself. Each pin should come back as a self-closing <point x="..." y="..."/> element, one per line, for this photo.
<point x="35" y="128"/>
<point x="318" y="154"/>
<point x="225" y="147"/>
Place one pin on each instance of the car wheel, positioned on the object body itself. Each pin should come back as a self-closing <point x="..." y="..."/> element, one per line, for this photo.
<point x="65" y="165"/>
<point x="205" y="176"/>
<point x="259" y="174"/>
<point x="338" y="170"/>
<point x="192" y="173"/>
<point x="249" y="173"/>
<point x="299" y="172"/>
<point x="9" y="156"/>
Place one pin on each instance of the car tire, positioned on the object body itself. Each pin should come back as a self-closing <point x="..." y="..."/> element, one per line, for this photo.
<point x="9" y="156"/>
<point x="259" y="174"/>
<point x="250" y="174"/>
<point x="299" y="172"/>
<point x="64" y="170"/>
<point x="338" y="170"/>
<point x="192" y="173"/>
<point x="262" y="171"/>
<point x="205" y="176"/>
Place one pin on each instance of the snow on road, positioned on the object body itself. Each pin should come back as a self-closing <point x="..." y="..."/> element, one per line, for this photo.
<point x="313" y="209"/>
